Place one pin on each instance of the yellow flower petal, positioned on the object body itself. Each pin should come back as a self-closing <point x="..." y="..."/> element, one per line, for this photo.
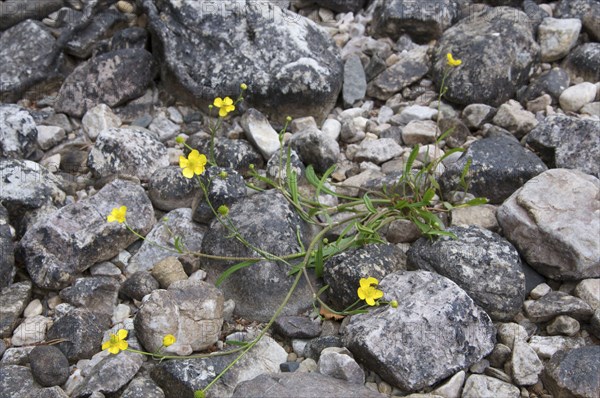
<point x="370" y="301"/>
<point x="188" y="173"/>
<point x="361" y="293"/>
<point x="169" y="340"/>
<point x="218" y="102"/>
<point x="113" y="350"/>
<point x="452" y="61"/>
<point x="122" y="334"/>
<point x="228" y="101"/>
<point x="105" y="345"/>
<point x="122" y="345"/>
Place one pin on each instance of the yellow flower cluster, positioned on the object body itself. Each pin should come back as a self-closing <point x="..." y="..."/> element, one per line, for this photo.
<point x="116" y="342"/>
<point x="225" y="105"/>
<point x="367" y="290"/>
<point x="451" y="61"/>
<point x="117" y="214"/>
<point x="194" y="164"/>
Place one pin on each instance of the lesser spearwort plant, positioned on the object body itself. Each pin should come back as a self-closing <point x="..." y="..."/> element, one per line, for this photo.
<point x="415" y="201"/>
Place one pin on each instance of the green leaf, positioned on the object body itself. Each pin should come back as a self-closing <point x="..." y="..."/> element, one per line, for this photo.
<point x="233" y="269"/>
<point x="178" y="243"/>
<point x="369" y="204"/>
<point x="319" y="260"/>
<point x="445" y="134"/>
<point x="411" y="159"/>
<point x="477" y="202"/>
<point x="429" y="194"/>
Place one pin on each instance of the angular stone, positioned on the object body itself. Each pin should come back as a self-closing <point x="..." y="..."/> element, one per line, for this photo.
<point x="478" y="386"/>
<point x="7" y="252"/>
<point x="17" y="382"/>
<point x="106" y="79"/>
<point x="428" y="305"/>
<point x="82" y="332"/>
<point x="582" y="62"/>
<point x="223" y="186"/>
<point x="233" y="154"/>
<point x="338" y="362"/>
<point x="342" y="5"/>
<point x="557" y="303"/>
<point x="494" y="65"/>
<point x="589" y="291"/>
<point x="586" y="10"/>
<point x="314" y="347"/>
<point x="525" y="364"/>
<point x="574" y="373"/>
<point x="378" y="151"/>
<point x="101" y="26"/>
<point x="298" y="327"/>
<point x="138" y="285"/>
<point x="355" y="82"/>
<point x="415" y="112"/>
<point x="163" y="127"/>
<point x="510" y="333"/>
<point x="469" y="261"/>
<point x="13" y="300"/>
<point x="564" y="325"/>
<point x="515" y="119"/>
<point x="143" y="387"/>
<point x="169" y="189"/>
<point x="546" y="346"/>
<point x="567" y="142"/>
<point x="553" y="230"/>
<point x="98" y="119"/>
<point x="557" y="37"/>
<point x="96" y="294"/>
<point x="303" y="77"/>
<point x="49" y="366"/>
<point x="475" y="115"/>
<point x="420" y="132"/>
<point x="552" y="82"/>
<point x="18" y="132"/>
<point x="13" y="11"/>
<point x="260" y="133"/>
<point x="316" y="149"/>
<point x="31" y="331"/>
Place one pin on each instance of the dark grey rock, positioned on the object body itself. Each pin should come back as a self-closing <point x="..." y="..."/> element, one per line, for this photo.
<point x="306" y="385"/>
<point x="106" y="79"/>
<point x="393" y="18"/>
<point x="595" y="324"/>
<point x="134" y="37"/>
<point x="535" y="13"/>
<point x="552" y="82"/>
<point x="18" y="132"/>
<point x="355" y="82"/>
<point x="277" y="163"/>
<point x="343" y="271"/>
<point x="7" y="251"/>
<point x="586" y="10"/>
<point x="567" y="142"/>
<point x="2" y="348"/>
<point x="499" y="166"/>
<point x="101" y="26"/>
<point x="224" y="187"/>
<point x="289" y="366"/>
<point x="267" y="221"/>
<point x="14" y="11"/>
<point x="459" y="132"/>
<point x="78" y="235"/>
<point x="303" y="77"/>
<point x="13" y="300"/>
<point x="316" y="149"/>
<point x="557" y="303"/>
<point x="297" y="327"/>
<point x="28" y="57"/>
<point x="50" y="392"/>
<point x="314" y="347"/>
<point x="497" y="49"/>
<point x="110" y="374"/>
<point x="169" y="189"/>
<point x="532" y="278"/>
<point x="583" y="62"/>
<point x="234" y="154"/>
<point x="49" y="366"/>
<point x="342" y="5"/>
<point x="138" y="285"/>
<point x="96" y="294"/>
<point x="143" y="387"/>
<point x="481" y="262"/>
<point x="574" y="373"/>
<point x="131" y="151"/>
<point x="436" y="330"/>
<point x="82" y="332"/>
<point x="17" y="382"/>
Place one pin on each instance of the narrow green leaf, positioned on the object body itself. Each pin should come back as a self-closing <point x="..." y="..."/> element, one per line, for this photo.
<point x="234" y="268"/>
<point x="477" y="202"/>
<point x="445" y="134"/>
<point x="319" y="260"/>
<point x="429" y="194"/>
<point x="369" y="204"/>
<point x="411" y="159"/>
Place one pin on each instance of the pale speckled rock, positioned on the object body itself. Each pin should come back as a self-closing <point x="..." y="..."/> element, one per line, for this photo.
<point x="575" y="97"/>
<point x="589" y="291"/>
<point x="169" y="189"/>
<point x="18" y="131"/>
<point x="557" y="303"/>
<point x="546" y="346"/>
<point x="98" y="119"/>
<point x="564" y="325"/>
<point x="338" y="362"/>
<point x="163" y="127"/>
<point x="557" y="37"/>
<point x="415" y="112"/>
<point x="451" y="388"/>
<point x="223" y="188"/>
<point x="476" y="115"/>
<point x="49" y="136"/>
<point x="483" y="216"/>
<point x="525" y="364"/>
<point x="378" y="151"/>
<point x="583" y="61"/>
<point x="260" y="132"/>
<point x="13" y="11"/>
<point x="96" y="293"/>
<point x="17" y="382"/>
<point x="7" y="252"/>
<point x="574" y="373"/>
<point x="131" y="151"/>
<point x="77" y="236"/>
<point x="553" y="231"/>
<point x="478" y="386"/>
<point x="32" y="330"/>
<point x="406" y="344"/>
<point x="13" y="300"/>
<point x="420" y="132"/>
<point x="515" y="119"/>
<point x="234" y="154"/>
<point x="355" y="82"/>
<point x="143" y="386"/>
<point x="316" y="148"/>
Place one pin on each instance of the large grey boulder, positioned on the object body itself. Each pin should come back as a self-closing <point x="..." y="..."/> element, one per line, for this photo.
<point x="206" y="49"/>
<point x="481" y="262"/>
<point x="436" y="331"/>
<point x="498" y="50"/>
<point x="18" y="131"/>
<point x="77" y="236"/>
<point x="574" y="373"/>
<point x="17" y="382"/>
<point x="551" y="222"/>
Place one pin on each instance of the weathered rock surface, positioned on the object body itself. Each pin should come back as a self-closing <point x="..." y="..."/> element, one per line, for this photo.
<point x="13" y="300"/>
<point x="223" y="186"/>
<point x="18" y="132"/>
<point x="82" y="332"/>
<point x="7" y="251"/>
<point x="557" y="303"/>
<point x="315" y="148"/>
<point x="478" y="386"/>
<point x="574" y="373"/>
<point x="49" y="366"/>
<point x="17" y="382"/>
<point x="170" y="190"/>
<point x="97" y="294"/>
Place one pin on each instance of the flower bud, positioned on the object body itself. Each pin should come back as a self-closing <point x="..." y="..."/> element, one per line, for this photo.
<point x="243" y="86"/>
<point x="394" y="304"/>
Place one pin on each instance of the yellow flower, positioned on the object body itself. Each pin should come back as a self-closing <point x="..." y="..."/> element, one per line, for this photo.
<point x="169" y="340"/>
<point x="194" y="164"/>
<point x="116" y="343"/>
<point x="225" y="105"/>
<point x="367" y="292"/>
<point x="117" y="214"/>
<point x="452" y="61"/>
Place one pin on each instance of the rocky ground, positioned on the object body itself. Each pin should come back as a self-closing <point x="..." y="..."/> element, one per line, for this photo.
<point x="94" y="93"/>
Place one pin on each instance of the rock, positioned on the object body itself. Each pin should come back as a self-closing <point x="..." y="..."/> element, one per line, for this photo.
<point x="192" y="311"/>
<point x="49" y="136"/>
<point x="28" y="55"/>
<point x="592" y="109"/>
<point x="50" y="392"/>
<point x="298" y="327"/>
<point x="499" y="166"/>
<point x="314" y="347"/>
<point x="540" y="291"/>
<point x="583" y="362"/>
<point x="82" y="332"/>
<point x="18" y="131"/>
<point x="429" y="303"/>
<point x="420" y="132"/>
<point x="595" y="324"/>
<point x="17" y="382"/>
<point x="175" y="223"/>
<point x="589" y="291"/>
<point x="96" y="294"/>
<point x="353" y="129"/>
<point x="277" y="385"/>
<point x="138" y="285"/>
<point x="13" y="300"/>
<point x="475" y="255"/>
<point x="531" y="222"/>
<point x="102" y="24"/>
<point x="484" y="386"/>
<point x="224" y="187"/>
<point x="557" y="37"/>
<point x="7" y="253"/>
<point x="355" y="81"/>
<point x="106" y="79"/>
<point x="378" y="151"/>
<point x="567" y="142"/>
<point x="557" y="303"/>
<point x="415" y="112"/>
<point x="98" y="119"/>
<point x="423" y="24"/>
<point x="182" y="377"/>
<point x="575" y="97"/>
<point x="552" y="82"/>
<point x="49" y="366"/>
<point x="451" y="388"/>
<point x="546" y="346"/>
<point x="16" y="356"/>
<point x="169" y="190"/>
<point x="297" y="80"/>
<point x="277" y="165"/>
<point x="564" y="325"/>
<point x="483" y="216"/>
<point x="33" y="308"/>
<point x="343" y="271"/>
<point x="82" y="228"/>
<point x="316" y="149"/>
<point x="260" y="133"/>
<point x="130" y="151"/>
<point x="289" y="366"/>
<point x="410" y="67"/>
<point x="586" y="10"/>
<point x="515" y="119"/>
<point x="233" y="154"/>
<point x="338" y="362"/>
<point x="476" y="115"/>
<point x="499" y="355"/>
<point x="13" y="12"/>
<point x="163" y="127"/>
<point x="402" y="231"/>
<point x="583" y="61"/>
<point x="168" y="271"/>
<point x="142" y="386"/>
<point x="491" y="76"/>
<point x="31" y="331"/>
<point x="109" y="375"/>
<point x="510" y="333"/>
<point x="332" y="128"/>
<point x="525" y="364"/>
